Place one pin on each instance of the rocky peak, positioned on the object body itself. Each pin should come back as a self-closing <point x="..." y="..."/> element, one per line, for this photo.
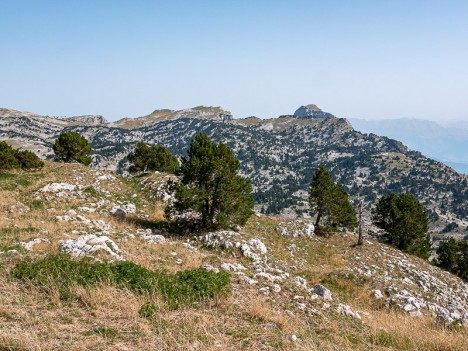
<point x="311" y="111"/>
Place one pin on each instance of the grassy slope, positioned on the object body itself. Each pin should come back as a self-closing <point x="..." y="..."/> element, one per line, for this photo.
<point x="107" y="318"/>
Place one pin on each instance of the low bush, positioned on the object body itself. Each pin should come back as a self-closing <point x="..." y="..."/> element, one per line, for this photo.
<point x="11" y="158"/>
<point x="62" y="273"/>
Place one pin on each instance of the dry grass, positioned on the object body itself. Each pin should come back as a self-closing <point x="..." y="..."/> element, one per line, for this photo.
<point x="415" y="333"/>
<point x="106" y="318"/>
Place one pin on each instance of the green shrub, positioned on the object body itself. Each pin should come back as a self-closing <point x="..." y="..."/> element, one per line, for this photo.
<point x="62" y="273"/>
<point x="29" y="160"/>
<point x="152" y="158"/>
<point x="8" y="161"/>
<point x="11" y="158"/>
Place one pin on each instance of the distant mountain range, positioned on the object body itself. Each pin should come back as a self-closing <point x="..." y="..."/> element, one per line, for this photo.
<point x="446" y="144"/>
<point x="279" y="155"/>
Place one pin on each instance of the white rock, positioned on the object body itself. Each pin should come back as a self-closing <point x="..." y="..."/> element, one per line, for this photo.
<point x="154" y="239"/>
<point x="189" y="246"/>
<point x="106" y="177"/>
<point x="323" y="292"/>
<point x="232" y="267"/>
<point x="57" y="187"/>
<point x="346" y="310"/>
<point x="29" y="245"/>
<point x="87" y="244"/>
<point x="378" y="294"/>
<point x="210" y="268"/>
<point x="86" y="209"/>
<point x="301" y="282"/>
<point x="258" y="246"/>
<point x="276" y="288"/>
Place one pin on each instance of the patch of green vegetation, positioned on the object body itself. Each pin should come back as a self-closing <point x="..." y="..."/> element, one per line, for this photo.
<point x="61" y="273"/>
<point x="384" y="338"/>
<point x="37" y="204"/>
<point x="103" y="331"/>
<point x="238" y="333"/>
<point x="90" y="191"/>
<point x="4" y="176"/>
<point x="14" y="231"/>
<point x="23" y="182"/>
<point x="16" y="247"/>
<point x="148" y="310"/>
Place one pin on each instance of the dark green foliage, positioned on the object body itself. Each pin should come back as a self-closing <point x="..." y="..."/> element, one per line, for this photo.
<point x="29" y="160"/>
<point x="211" y="187"/>
<point x="453" y="257"/>
<point x="329" y="202"/>
<point x="449" y="227"/>
<point x="405" y="223"/>
<point x="72" y="147"/>
<point x="62" y="273"/>
<point x="11" y="158"/>
<point x="152" y="158"/>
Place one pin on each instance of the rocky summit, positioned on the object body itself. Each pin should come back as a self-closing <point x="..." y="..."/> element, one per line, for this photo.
<point x="279" y="155"/>
<point x="88" y="262"/>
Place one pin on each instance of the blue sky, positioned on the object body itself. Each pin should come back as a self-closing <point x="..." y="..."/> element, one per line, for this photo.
<point x="366" y="59"/>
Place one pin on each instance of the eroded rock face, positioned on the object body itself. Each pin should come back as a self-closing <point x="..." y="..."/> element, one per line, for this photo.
<point x="311" y="111"/>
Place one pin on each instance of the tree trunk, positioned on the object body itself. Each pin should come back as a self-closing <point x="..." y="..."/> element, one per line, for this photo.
<point x="360" y="241"/>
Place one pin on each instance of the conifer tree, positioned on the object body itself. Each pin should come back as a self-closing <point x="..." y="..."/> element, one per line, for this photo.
<point x="405" y="223"/>
<point x="211" y="187"/>
<point x="329" y="202"/>
<point x="152" y="158"/>
<point x="72" y="147"/>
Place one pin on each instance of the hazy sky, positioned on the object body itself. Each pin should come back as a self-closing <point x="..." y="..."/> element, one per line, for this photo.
<point x="367" y="59"/>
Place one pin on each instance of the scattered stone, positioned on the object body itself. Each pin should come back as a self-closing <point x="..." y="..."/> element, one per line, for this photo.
<point x="57" y="187"/>
<point x="346" y="310"/>
<point x="301" y="282"/>
<point x="378" y="294"/>
<point x="154" y="239"/>
<point x="210" y="268"/>
<point x="276" y="288"/>
<point x="323" y="292"/>
<point x="258" y="246"/>
<point x="90" y="243"/>
<point x="28" y="246"/>
<point x="232" y="267"/>
<point x="86" y="209"/>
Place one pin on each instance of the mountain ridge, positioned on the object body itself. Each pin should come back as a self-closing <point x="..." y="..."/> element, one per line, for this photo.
<point x="278" y="155"/>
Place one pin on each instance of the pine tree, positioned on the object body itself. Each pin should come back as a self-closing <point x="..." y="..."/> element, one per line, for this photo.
<point x="72" y="147"/>
<point x="405" y="223"/>
<point x="152" y="158"/>
<point x="329" y="202"/>
<point x="211" y="187"/>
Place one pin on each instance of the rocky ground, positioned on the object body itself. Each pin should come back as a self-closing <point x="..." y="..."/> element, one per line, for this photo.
<point x="290" y="290"/>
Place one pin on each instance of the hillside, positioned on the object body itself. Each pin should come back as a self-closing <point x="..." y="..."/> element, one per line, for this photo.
<point x="448" y="144"/>
<point x="290" y="290"/>
<point x="278" y="155"/>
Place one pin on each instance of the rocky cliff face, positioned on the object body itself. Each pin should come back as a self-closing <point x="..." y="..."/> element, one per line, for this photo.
<point x="311" y="111"/>
<point x="278" y="155"/>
